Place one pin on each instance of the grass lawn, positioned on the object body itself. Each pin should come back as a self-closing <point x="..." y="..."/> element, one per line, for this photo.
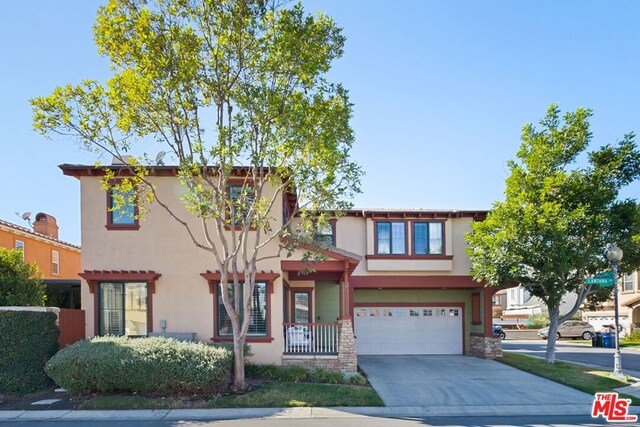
<point x="269" y="395"/>
<point x="580" y="377"/>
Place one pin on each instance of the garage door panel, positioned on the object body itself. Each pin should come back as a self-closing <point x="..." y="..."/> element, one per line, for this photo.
<point x="408" y="330"/>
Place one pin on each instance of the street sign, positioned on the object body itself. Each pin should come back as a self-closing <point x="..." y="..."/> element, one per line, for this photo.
<point x="605" y="274"/>
<point x="602" y="281"/>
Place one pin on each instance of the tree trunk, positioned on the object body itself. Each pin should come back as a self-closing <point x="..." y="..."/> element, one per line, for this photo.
<point x="554" y="315"/>
<point x="239" y="382"/>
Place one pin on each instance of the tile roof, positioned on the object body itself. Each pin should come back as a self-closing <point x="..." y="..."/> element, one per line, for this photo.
<point x="33" y="233"/>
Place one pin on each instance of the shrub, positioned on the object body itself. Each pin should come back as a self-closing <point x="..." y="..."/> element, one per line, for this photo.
<point x="155" y="364"/>
<point x="633" y="337"/>
<point x="27" y="341"/>
<point x="301" y="374"/>
<point x="20" y="283"/>
<point x="537" y="321"/>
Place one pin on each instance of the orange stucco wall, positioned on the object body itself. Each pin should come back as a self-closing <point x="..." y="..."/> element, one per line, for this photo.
<point x="39" y="250"/>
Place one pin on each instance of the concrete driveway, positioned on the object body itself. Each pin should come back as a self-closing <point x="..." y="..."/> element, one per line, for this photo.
<point x="461" y="381"/>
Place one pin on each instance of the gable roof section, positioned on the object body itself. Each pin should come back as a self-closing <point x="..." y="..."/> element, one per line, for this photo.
<point x="10" y="227"/>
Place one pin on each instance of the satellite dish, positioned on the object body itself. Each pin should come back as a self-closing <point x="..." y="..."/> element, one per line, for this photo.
<point x="25" y="216"/>
<point x="160" y="158"/>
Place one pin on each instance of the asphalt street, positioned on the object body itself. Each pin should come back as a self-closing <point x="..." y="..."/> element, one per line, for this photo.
<point x="580" y="353"/>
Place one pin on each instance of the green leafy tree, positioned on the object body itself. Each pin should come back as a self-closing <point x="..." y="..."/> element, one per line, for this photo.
<point x="20" y="282"/>
<point x="551" y="231"/>
<point x="220" y="85"/>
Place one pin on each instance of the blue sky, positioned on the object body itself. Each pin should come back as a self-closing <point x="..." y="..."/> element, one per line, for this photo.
<point x="441" y="92"/>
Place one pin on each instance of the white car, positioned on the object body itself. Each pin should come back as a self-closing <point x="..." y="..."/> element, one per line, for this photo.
<point x="570" y="329"/>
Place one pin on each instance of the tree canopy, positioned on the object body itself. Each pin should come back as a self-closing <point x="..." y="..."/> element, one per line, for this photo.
<point x="219" y="84"/>
<point x="557" y="218"/>
<point x="20" y="282"/>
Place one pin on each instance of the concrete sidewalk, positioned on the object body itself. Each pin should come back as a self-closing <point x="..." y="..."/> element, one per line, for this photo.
<point x="301" y="413"/>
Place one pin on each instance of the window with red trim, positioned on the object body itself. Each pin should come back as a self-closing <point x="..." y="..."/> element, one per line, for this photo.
<point x="258" y="325"/>
<point x="122" y="212"/>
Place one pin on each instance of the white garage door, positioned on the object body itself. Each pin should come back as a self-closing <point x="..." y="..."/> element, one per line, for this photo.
<point x="408" y="330"/>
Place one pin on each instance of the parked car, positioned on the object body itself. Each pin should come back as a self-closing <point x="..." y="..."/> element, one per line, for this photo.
<point x="570" y="329"/>
<point x="497" y="330"/>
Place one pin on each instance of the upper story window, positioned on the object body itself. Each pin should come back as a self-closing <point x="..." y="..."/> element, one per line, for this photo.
<point x="391" y="238"/>
<point x="20" y="247"/>
<point x="121" y="210"/>
<point x="427" y="238"/>
<point x="55" y="263"/>
<point x="326" y="234"/>
<point x="240" y="196"/>
<point x="628" y="282"/>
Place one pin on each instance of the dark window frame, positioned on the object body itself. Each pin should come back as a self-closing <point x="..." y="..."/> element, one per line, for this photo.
<point x="115" y="226"/>
<point x="413" y="238"/>
<point x="99" y="324"/>
<point x="238" y="223"/>
<point x="376" y="238"/>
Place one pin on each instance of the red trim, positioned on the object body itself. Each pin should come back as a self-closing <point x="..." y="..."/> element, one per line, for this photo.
<point x="400" y="214"/>
<point x="212" y="280"/>
<point x="125" y="227"/>
<point x="323" y="250"/>
<point x="260" y="277"/>
<point x="297" y="266"/>
<point x="417" y="257"/>
<point x="412" y="282"/>
<point x="248" y="339"/>
<point x="93" y="277"/>
<point x="305" y="290"/>
<point x="476" y="316"/>
<point x="460" y="305"/>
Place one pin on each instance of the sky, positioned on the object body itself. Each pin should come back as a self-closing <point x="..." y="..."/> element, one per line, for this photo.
<point x="441" y="91"/>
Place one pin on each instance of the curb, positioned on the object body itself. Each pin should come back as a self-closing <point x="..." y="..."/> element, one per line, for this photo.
<point x="301" y="413"/>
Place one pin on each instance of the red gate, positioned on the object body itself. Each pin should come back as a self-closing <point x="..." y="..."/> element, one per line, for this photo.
<point x="71" y="323"/>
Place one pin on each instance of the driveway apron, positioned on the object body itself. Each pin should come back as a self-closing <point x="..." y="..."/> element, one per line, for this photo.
<point x="460" y="380"/>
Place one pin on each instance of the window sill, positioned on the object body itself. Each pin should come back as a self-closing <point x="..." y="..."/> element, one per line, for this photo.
<point x="248" y="339"/>
<point x="426" y="257"/>
<point x="128" y="227"/>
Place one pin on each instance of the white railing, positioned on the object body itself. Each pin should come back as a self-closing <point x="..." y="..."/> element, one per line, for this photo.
<point x="310" y="338"/>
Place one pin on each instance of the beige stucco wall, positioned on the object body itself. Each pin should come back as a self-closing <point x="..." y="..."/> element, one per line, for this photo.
<point x="356" y="234"/>
<point x="181" y="296"/>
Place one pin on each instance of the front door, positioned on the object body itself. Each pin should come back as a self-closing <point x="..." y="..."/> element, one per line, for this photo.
<point x="301" y="307"/>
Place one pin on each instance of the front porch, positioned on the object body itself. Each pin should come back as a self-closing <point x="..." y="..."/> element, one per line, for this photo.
<point x="318" y="327"/>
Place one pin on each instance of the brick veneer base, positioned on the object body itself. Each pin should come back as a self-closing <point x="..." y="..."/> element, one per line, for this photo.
<point x="486" y="347"/>
<point x="345" y="361"/>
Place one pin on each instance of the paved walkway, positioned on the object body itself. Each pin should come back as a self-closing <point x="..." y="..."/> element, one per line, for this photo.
<point x="461" y="381"/>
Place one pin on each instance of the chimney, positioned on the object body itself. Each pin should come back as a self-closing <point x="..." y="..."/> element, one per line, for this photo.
<point x="46" y="224"/>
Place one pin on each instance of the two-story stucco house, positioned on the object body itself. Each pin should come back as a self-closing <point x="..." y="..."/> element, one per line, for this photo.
<point x="391" y="282"/>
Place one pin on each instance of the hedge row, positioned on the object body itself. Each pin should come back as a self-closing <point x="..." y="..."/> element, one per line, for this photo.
<point x="155" y="364"/>
<point x="27" y="340"/>
<point x="301" y="374"/>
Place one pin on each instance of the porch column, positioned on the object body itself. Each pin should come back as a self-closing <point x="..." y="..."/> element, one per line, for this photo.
<point x="345" y="298"/>
<point x="488" y="311"/>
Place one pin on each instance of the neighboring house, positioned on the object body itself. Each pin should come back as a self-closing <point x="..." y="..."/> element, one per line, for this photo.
<point x="58" y="260"/>
<point x="515" y="305"/>
<point x="392" y="281"/>
<point x="628" y="306"/>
